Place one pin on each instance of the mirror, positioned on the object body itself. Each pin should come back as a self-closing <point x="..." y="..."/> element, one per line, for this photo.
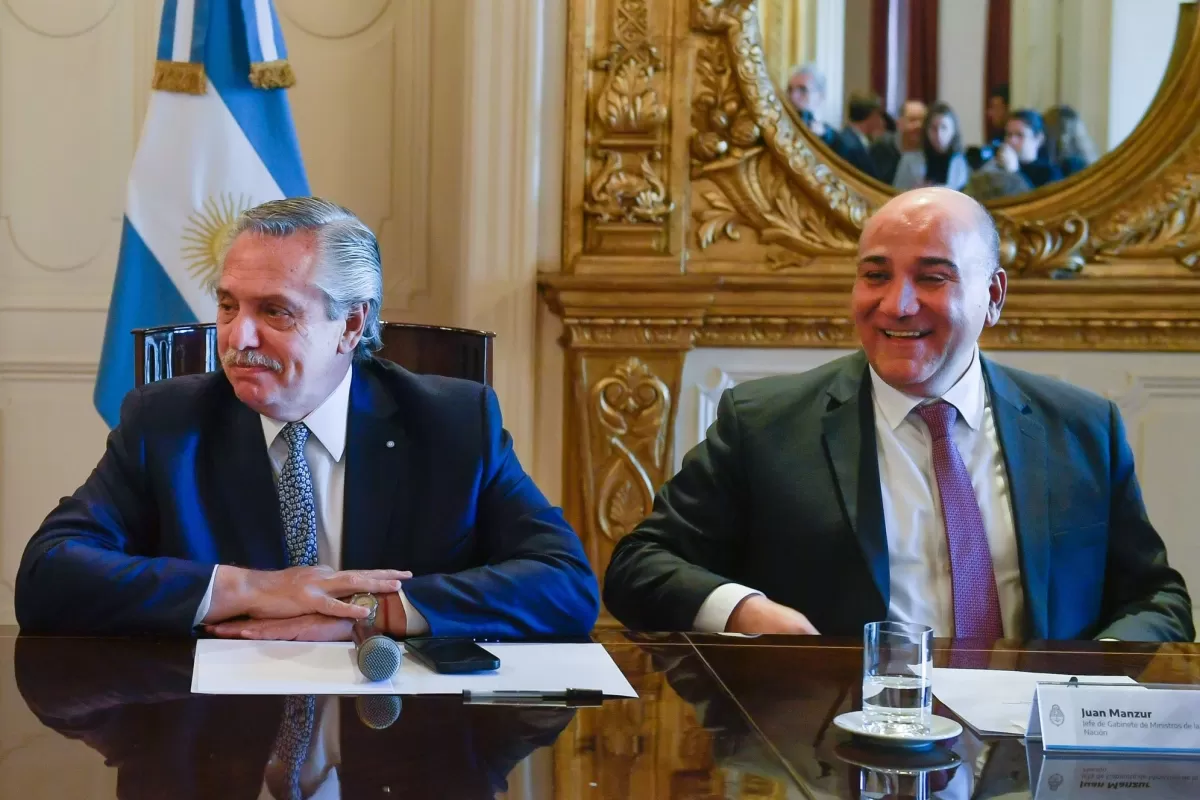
<point x="993" y="97"/>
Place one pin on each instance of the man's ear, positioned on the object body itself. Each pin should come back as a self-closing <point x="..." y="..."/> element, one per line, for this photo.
<point x="997" y="292"/>
<point x="356" y="323"/>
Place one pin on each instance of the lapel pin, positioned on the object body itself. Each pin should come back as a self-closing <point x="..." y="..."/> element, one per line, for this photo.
<point x="390" y="443"/>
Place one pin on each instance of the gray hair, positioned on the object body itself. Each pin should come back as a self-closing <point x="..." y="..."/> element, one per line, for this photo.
<point x="349" y="270"/>
<point x="989" y="236"/>
<point x="812" y="71"/>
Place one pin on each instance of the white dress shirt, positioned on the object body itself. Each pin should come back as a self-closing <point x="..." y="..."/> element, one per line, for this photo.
<point x="920" y="587"/>
<point x="324" y="450"/>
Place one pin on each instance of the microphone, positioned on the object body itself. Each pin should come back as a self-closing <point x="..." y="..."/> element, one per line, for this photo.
<point x="378" y="657"/>
<point x="378" y="711"/>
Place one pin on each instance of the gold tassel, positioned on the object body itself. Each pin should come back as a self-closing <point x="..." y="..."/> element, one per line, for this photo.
<point x="179" y="76"/>
<point x="272" y="75"/>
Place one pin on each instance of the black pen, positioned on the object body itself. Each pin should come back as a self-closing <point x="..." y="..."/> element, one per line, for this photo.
<point x="571" y="697"/>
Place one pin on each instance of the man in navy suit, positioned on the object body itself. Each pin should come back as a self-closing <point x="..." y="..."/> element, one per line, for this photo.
<point x="308" y="484"/>
<point x="914" y="480"/>
<point x="865" y="125"/>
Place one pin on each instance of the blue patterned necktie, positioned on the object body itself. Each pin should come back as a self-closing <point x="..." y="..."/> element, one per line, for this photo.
<point x="298" y="509"/>
<point x="292" y="743"/>
<point x="296" y="503"/>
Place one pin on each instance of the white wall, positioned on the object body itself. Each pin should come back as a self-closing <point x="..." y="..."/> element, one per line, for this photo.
<point x="1033" y="80"/>
<point x="1143" y="34"/>
<point x="829" y="53"/>
<point x="69" y="116"/>
<point x="962" y="37"/>
<point x="1106" y="58"/>
<point x="1087" y="40"/>
<point x="1158" y="394"/>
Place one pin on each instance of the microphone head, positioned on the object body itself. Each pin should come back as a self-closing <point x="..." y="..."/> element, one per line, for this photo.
<point x="378" y="658"/>
<point x="377" y="711"/>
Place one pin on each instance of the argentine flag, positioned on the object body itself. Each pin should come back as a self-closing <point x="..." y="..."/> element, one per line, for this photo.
<point x="218" y="139"/>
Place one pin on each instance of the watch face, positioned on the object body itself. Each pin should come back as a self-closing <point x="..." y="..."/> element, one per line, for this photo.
<point x="366" y="600"/>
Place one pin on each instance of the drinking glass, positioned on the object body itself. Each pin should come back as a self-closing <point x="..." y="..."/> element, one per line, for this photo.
<point x="897" y="677"/>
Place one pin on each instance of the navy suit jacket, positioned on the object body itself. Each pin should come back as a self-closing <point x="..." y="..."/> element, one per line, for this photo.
<point x="784" y="497"/>
<point x="851" y="148"/>
<point x="432" y="486"/>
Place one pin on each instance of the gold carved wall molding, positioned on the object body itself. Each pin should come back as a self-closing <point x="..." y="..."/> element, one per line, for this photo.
<point x="698" y="212"/>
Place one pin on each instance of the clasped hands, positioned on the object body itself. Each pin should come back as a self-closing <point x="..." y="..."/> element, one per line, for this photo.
<point x="301" y="603"/>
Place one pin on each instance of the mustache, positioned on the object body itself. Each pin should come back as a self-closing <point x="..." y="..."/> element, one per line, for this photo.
<point x="250" y="358"/>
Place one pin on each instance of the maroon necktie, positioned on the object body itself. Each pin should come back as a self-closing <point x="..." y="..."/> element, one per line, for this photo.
<point x="976" y="601"/>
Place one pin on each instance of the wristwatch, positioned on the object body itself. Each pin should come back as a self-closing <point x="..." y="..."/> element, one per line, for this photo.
<point x="369" y="601"/>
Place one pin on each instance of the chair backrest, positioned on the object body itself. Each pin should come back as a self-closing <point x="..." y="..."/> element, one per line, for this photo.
<point x="172" y="350"/>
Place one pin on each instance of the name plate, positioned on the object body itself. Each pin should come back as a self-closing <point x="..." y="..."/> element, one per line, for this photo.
<point x="1116" y="718"/>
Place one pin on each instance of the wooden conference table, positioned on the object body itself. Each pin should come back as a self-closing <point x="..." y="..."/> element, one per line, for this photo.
<point x="717" y="717"/>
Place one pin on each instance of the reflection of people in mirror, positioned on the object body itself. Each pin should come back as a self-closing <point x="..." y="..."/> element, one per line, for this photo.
<point x="887" y="152"/>
<point x="806" y="90"/>
<point x="997" y="114"/>
<point x="940" y="160"/>
<point x="1024" y="135"/>
<point x="1068" y="143"/>
<point x="865" y="124"/>
<point x="912" y="121"/>
<point x="1019" y="164"/>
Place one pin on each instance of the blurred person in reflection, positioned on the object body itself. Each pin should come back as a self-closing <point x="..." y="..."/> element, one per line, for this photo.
<point x="1020" y="164"/>
<point x="914" y="480"/>
<point x="131" y="702"/>
<point x="1068" y="143"/>
<point x="940" y="160"/>
<point x="1023" y="149"/>
<point x="996" y="113"/>
<point x="308" y="483"/>
<point x="806" y="91"/>
<point x="887" y="151"/>
<point x="865" y="123"/>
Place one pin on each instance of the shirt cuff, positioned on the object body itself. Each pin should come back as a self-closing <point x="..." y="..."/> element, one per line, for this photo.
<point x="206" y="601"/>
<point x="415" y="622"/>
<point x="719" y="605"/>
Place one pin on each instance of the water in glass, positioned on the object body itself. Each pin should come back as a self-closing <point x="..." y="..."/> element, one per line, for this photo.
<point x="897" y="677"/>
<point x="895" y="702"/>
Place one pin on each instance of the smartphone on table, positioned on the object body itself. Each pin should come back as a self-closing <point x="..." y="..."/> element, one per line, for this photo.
<point x="451" y="655"/>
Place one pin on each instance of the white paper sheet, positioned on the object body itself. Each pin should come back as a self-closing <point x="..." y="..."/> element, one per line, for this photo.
<point x="244" y="667"/>
<point x="996" y="701"/>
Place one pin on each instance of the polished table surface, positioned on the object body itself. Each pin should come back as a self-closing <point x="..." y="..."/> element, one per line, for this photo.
<point x="716" y="717"/>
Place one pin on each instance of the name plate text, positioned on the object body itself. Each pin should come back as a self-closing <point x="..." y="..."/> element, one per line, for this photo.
<point x="1116" y="718"/>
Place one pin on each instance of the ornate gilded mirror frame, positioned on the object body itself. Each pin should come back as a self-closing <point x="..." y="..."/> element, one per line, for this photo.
<point x="697" y="213"/>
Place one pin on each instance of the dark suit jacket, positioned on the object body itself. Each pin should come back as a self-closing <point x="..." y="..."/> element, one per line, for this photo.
<point x="1041" y="172"/>
<point x="851" y="148"/>
<point x="131" y="701"/>
<point x="186" y="483"/>
<point x="885" y="157"/>
<point x="784" y="497"/>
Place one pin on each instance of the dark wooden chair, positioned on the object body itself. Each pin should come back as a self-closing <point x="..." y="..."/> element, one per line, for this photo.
<point x="172" y="350"/>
